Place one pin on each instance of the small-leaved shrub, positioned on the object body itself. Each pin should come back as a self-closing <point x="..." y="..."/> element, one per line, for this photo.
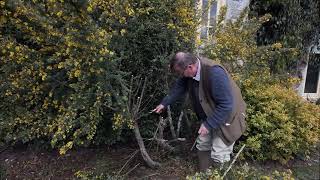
<point x="241" y="172"/>
<point x="281" y="124"/>
<point x="65" y="65"/>
<point x="88" y="175"/>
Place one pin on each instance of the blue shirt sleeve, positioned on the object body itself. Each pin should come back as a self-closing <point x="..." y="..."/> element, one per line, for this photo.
<point x="221" y="93"/>
<point x="177" y="91"/>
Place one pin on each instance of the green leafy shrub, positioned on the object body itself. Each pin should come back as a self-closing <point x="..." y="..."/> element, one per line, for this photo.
<point x="65" y="65"/>
<point x="234" y="44"/>
<point x="242" y="172"/>
<point x="58" y="76"/>
<point x="86" y="175"/>
<point x="281" y="124"/>
<point x="145" y="34"/>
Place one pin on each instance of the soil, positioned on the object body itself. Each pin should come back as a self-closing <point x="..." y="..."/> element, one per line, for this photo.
<point x="28" y="163"/>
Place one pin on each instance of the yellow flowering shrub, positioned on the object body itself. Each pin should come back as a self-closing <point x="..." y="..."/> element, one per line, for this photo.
<point x="235" y="45"/>
<point x="58" y="75"/>
<point x="64" y="65"/>
<point x="144" y="35"/>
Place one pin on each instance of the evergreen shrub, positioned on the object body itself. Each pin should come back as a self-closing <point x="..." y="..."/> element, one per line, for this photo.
<point x="65" y="65"/>
<point x="281" y="125"/>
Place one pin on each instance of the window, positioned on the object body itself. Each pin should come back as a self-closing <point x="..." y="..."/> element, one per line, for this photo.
<point x="312" y="77"/>
<point x="210" y="10"/>
<point x="208" y="18"/>
<point x="310" y="85"/>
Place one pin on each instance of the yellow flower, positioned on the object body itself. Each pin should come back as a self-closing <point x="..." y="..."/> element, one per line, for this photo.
<point x="277" y="45"/>
<point x="77" y="73"/>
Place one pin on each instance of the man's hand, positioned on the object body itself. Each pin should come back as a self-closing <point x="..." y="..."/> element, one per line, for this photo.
<point x="203" y="130"/>
<point x="158" y="109"/>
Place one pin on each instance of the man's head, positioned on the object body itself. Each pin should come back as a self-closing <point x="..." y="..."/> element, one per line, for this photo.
<point x="184" y="64"/>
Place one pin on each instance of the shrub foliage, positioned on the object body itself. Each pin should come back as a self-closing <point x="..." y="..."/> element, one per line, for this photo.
<point x="65" y="64"/>
<point x="281" y="124"/>
<point x="58" y="76"/>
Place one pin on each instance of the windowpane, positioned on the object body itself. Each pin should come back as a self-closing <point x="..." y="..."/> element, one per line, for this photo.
<point x="312" y="78"/>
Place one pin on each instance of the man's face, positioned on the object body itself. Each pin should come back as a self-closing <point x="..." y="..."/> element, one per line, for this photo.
<point x="189" y="71"/>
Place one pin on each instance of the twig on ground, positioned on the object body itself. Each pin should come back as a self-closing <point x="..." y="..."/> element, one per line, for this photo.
<point x="133" y="154"/>
<point x="129" y="156"/>
<point x="149" y="175"/>
<point x="234" y="160"/>
<point x="131" y="169"/>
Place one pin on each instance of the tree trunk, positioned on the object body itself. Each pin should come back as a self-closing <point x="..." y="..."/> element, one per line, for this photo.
<point x="143" y="150"/>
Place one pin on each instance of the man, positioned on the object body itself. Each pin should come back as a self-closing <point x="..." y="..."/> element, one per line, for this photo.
<point x="217" y="102"/>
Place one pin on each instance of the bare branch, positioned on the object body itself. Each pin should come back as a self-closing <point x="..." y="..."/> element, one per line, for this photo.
<point x="162" y="124"/>
<point x="187" y="121"/>
<point x="173" y="133"/>
<point x="130" y="95"/>
<point x="135" y="112"/>
<point x="179" y="123"/>
<point x="143" y="89"/>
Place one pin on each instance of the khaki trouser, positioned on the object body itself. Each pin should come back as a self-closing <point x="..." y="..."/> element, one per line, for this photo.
<point x="212" y="142"/>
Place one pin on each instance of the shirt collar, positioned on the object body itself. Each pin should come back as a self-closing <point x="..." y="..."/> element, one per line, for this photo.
<point x="197" y="77"/>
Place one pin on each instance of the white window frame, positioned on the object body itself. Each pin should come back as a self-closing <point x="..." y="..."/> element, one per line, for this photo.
<point x="309" y="96"/>
<point x="203" y="30"/>
<point x="207" y="26"/>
